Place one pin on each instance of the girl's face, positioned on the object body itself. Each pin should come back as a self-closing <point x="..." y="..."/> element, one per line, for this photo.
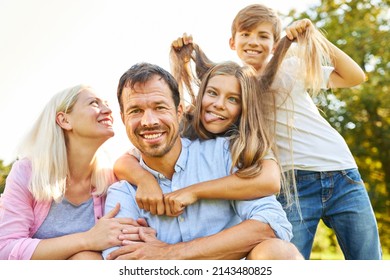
<point x="221" y="103"/>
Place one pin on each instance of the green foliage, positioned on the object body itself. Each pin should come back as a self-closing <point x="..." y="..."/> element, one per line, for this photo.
<point x="325" y="245"/>
<point x="361" y="28"/>
<point x="4" y="170"/>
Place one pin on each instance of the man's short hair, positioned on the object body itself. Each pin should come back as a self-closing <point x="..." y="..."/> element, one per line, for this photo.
<point x="142" y="73"/>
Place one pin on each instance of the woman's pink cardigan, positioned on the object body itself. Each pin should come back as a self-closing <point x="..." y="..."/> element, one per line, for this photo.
<point x="21" y="215"/>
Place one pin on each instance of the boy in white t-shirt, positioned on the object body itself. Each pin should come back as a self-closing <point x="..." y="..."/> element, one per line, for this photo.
<point x="327" y="179"/>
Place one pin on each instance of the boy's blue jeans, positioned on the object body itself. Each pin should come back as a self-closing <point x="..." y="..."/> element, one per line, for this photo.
<point x="340" y="199"/>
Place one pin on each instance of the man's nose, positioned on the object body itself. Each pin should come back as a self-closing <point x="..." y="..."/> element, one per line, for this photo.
<point x="149" y="118"/>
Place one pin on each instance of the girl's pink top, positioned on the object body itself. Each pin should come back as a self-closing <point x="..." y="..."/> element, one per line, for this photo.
<point x="21" y="215"/>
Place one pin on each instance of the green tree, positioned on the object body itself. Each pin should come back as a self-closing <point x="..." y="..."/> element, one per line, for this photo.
<point x="361" y="28"/>
<point x="4" y="170"/>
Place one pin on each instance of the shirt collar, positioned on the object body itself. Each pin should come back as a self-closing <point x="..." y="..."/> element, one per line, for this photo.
<point x="180" y="163"/>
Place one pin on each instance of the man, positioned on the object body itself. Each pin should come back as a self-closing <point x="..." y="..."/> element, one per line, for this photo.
<point x="208" y="229"/>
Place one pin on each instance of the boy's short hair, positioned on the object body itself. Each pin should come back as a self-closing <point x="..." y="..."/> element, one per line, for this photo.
<point x="252" y="15"/>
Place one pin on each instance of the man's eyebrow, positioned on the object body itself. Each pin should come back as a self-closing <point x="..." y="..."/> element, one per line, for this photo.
<point x="154" y="103"/>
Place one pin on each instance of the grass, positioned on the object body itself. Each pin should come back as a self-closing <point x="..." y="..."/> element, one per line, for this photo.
<point x="325" y="246"/>
<point x="335" y="256"/>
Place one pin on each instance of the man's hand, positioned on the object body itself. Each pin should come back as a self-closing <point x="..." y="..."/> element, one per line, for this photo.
<point x="148" y="248"/>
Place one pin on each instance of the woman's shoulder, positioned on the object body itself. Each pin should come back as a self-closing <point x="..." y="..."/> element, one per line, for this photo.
<point x="21" y="166"/>
<point x="19" y="177"/>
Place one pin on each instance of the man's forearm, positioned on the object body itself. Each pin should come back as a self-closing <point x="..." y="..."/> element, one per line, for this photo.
<point x="233" y="243"/>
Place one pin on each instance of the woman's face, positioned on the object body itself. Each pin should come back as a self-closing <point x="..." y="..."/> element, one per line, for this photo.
<point x="91" y="118"/>
<point x="221" y="103"/>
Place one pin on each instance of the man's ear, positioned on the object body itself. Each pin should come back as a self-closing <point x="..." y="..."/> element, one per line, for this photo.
<point x="62" y="121"/>
<point x="180" y="111"/>
<point x="231" y="44"/>
<point x="123" y="118"/>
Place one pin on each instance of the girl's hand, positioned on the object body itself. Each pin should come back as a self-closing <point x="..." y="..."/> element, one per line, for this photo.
<point x="176" y="201"/>
<point x="298" y="27"/>
<point x="150" y="197"/>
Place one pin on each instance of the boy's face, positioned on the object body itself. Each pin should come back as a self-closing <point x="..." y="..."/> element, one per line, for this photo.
<point x="254" y="46"/>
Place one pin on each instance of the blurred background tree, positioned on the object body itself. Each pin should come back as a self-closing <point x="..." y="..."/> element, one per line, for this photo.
<point x="4" y="170"/>
<point x="361" y="28"/>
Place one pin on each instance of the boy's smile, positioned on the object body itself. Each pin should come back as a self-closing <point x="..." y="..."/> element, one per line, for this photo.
<point x="254" y="46"/>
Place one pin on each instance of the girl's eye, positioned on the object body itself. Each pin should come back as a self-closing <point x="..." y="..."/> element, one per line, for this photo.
<point x="211" y="93"/>
<point x="94" y="103"/>
<point x="233" y="99"/>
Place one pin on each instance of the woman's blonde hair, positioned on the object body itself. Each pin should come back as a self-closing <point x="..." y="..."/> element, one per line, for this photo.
<point x="45" y="147"/>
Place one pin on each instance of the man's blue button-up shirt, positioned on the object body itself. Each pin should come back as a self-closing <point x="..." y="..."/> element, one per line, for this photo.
<point x="199" y="161"/>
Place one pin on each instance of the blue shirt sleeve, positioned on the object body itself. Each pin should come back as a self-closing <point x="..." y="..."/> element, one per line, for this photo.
<point x="124" y="193"/>
<point x="266" y="210"/>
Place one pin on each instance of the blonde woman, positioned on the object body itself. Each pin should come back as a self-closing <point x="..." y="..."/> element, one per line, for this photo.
<point x="52" y="205"/>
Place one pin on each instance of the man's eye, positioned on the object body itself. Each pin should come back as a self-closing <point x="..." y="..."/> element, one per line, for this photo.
<point x="134" y="111"/>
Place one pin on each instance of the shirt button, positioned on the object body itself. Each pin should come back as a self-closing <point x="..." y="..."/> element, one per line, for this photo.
<point x="181" y="219"/>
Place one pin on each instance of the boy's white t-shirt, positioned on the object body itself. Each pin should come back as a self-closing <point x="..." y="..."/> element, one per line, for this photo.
<point x="316" y="145"/>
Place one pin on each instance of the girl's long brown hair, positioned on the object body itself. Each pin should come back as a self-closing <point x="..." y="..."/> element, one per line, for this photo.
<point x="254" y="134"/>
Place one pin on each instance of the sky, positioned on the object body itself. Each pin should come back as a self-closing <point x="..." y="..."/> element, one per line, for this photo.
<point x="49" y="45"/>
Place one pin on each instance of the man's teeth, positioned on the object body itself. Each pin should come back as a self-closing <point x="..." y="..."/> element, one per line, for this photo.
<point x="252" y="52"/>
<point x="152" y="136"/>
<point x="218" y="116"/>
